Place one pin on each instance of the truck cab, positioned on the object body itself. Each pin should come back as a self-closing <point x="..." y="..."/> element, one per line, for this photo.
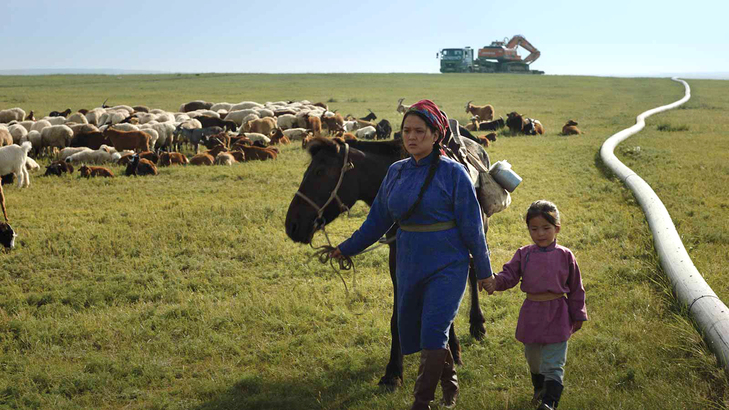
<point x="456" y="60"/>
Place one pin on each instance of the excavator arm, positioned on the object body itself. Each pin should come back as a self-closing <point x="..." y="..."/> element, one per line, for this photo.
<point x="519" y="40"/>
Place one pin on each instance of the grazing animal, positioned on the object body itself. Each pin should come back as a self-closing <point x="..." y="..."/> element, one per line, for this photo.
<point x="532" y="127"/>
<point x="93" y="140"/>
<point x="59" y="168"/>
<point x="195" y="105"/>
<point x="195" y="135"/>
<point x="402" y="108"/>
<point x="88" y="172"/>
<point x="224" y="158"/>
<point x="99" y="156"/>
<point x="333" y="122"/>
<point x="384" y="129"/>
<point x="484" y="112"/>
<point x="295" y="134"/>
<point x="257" y="153"/>
<point x="167" y="159"/>
<point x="491" y="125"/>
<point x="211" y="141"/>
<point x="278" y="137"/>
<point x="60" y="113"/>
<point x="206" y="122"/>
<point x="262" y="125"/>
<point x="140" y="167"/>
<point x="31" y="116"/>
<point x="7" y="235"/>
<point x="371" y="161"/>
<point x="12" y="114"/>
<point x="491" y="136"/>
<point x="570" y="128"/>
<point x="12" y="161"/>
<point x="369" y="117"/>
<point x="131" y="140"/>
<point x="6" y="138"/>
<point x="368" y="133"/>
<point x="314" y="124"/>
<point x="202" y="158"/>
<point x="515" y="122"/>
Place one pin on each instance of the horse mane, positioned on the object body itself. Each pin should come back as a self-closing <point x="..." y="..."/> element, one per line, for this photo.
<point x="391" y="148"/>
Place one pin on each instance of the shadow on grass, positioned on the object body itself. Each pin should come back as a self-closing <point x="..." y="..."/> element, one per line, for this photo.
<point x="603" y="168"/>
<point x="339" y="389"/>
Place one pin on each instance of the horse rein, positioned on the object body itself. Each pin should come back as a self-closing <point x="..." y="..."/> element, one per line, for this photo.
<point x="322" y="252"/>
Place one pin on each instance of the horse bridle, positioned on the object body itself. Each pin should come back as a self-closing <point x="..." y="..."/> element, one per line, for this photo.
<point x="319" y="222"/>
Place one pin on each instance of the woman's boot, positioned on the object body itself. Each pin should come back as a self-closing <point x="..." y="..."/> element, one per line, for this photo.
<point x="538" y="383"/>
<point x="431" y="368"/>
<point x="553" y="391"/>
<point x="449" y="381"/>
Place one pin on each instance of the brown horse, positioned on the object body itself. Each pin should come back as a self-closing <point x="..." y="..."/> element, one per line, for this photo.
<point x="361" y="181"/>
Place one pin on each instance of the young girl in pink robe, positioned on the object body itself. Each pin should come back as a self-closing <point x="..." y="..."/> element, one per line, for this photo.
<point x="555" y="301"/>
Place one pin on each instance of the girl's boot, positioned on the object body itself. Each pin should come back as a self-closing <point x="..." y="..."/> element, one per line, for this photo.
<point x="432" y="363"/>
<point x="553" y="391"/>
<point x="449" y="381"/>
<point x="538" y="383"/>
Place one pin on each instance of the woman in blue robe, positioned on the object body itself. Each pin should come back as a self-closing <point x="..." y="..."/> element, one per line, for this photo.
<point x="434" y="202"/>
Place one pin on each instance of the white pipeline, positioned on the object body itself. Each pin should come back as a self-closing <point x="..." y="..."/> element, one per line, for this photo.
<point x="709" y="312"/>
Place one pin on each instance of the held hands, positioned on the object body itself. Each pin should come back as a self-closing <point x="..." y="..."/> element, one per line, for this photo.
<point x="489" y="284"/>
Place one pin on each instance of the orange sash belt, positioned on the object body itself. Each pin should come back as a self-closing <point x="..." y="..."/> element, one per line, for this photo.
<point x="545" y="296"/>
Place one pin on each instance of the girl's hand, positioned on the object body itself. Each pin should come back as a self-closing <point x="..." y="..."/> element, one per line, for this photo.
<point x="489" y="284"/>
<point x="336" y="254"/>
<point x="576" y="326"/>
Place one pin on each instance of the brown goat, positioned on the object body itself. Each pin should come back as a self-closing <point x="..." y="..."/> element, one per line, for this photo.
<point x="262" y="125"/>
<point x="202" y="158"/>
<point x="167" y="159"/>
<point x="277" y="137"/>
<point x="484" y="112"/>
<point x="132" y="140"/>
<point x="571" y="128"/>
<point x="314" y="125"/>
<point x="239" y="156"/>
<point x="88" y="172"/>
<point x="30" y="116"/>
<point x="258" y="153"/>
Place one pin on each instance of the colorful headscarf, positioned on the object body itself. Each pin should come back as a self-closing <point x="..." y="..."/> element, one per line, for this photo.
<point x="432" y="114"/>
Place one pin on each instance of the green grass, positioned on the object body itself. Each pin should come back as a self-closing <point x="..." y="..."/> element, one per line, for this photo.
<point x="183" y="291"/>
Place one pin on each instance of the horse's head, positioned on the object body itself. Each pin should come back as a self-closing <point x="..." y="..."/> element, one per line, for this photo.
<point x="318" y="187"/>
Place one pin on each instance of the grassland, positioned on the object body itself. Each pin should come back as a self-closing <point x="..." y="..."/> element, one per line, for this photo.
<point x="183" y="292"/>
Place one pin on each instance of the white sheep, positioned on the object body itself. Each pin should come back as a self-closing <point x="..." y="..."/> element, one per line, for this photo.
<point x="239" y="115"/>
<point x="12" y="161"/>
<point x="94" y="115"/>
<point x="254" y="136"/>
<point x="264" y="112"/>
<point x="369" y="132"/>
<point x="31" y="165"/>
<point x="18" y="132"/>
<point x="99" y="156"/>
<point x="56" y="136"/>
<point x="78" y="118"/>
<point x="295" y="134"/>
<point x="27" y="124"/>
<point x="12" y="114"/>
<point x="287" y="121"/>
<point x="224" y="158"/>
<point x="221" y="106"/>
<point x="245" y="104"/>
<point x="55" y="120"/>
<point x="39" y="125"/>
<point x="34" y="137"/>
<point x="68" y="151"/>
<point x="165" y="117"/>
<point x="129" y="110"/>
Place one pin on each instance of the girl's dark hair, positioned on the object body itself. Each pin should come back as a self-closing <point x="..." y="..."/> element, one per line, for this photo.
<point x="545" y="209"/>
<point x="422" y="117"/>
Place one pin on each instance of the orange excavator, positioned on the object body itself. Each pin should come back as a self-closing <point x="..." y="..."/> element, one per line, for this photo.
<point x="498" y="57"/>
<point x="503" y="56"/>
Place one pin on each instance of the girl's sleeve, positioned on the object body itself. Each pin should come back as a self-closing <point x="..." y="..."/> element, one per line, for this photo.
<point x="467" y="213"/>
<point x="377" y="223"/>
<point x="511" y="273"/>
<point x="576" y="297"/>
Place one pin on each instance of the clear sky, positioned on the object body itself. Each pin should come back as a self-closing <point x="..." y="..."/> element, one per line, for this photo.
<point x="617" y="37"/>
